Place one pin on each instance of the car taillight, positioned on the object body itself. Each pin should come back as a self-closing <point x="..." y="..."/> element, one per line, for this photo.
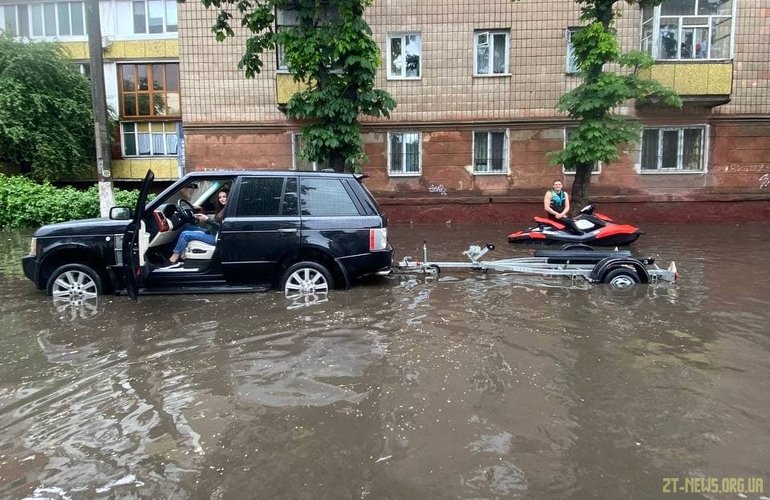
<point x="378" y="239"/>
<point x="33" y="246"/>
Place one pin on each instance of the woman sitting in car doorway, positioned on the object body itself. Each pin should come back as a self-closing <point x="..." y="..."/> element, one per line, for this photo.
<point x="205" y="231"/>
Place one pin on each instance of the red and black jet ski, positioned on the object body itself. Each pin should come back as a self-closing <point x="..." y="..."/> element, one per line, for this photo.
<point x="589" y="228"/>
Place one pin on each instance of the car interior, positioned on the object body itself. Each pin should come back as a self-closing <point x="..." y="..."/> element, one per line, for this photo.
<point x="163" y="225"/>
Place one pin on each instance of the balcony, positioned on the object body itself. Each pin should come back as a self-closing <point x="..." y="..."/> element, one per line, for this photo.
<point x="286" y="87"/>
<point x="698" y="83"/>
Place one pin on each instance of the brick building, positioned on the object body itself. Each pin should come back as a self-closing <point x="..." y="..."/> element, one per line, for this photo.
<point x="141" y="71"/>
<point x="476" y="85"/>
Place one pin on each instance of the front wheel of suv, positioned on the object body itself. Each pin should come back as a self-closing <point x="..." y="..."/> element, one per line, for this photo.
<point x="305" y="278"/>
<point x="74" y="281"/>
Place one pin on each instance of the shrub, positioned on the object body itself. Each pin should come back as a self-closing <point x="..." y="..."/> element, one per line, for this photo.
<point x="25" y="203"/>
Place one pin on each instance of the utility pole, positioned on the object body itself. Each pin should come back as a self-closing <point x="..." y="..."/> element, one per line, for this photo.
<point x="101" y="127"/>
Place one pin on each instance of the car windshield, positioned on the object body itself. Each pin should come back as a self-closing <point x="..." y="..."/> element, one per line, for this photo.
<point x="201" y="193"/>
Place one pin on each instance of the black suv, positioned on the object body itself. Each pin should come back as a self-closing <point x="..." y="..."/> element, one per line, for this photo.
<point x="304" y="232"/>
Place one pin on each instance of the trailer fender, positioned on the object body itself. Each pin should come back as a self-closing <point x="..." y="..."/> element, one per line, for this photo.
<point x="604" y="266"/>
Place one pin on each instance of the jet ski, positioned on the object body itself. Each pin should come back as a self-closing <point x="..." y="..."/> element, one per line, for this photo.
<point x="588" y="228"/>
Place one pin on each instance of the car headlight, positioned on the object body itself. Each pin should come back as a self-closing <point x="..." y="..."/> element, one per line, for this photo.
<point x="33" y="246"/>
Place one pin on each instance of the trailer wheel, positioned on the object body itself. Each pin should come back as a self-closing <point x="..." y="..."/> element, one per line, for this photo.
<point x="621" y="277"/>
<point x="432" y="270"/>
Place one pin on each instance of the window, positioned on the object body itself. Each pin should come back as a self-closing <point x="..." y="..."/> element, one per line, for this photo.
<point x="490" y="50"/>
<point x="261" y="197"/>
<point x="571" y="170"/>
<point x="154" y="16"/>
<point x="301" y="163"/>
<point x="149" y="90"/>
<point x="284" y="18"/>
<point x="490" y="152"/>
<point x="571" y="65"/>
<point x="404" y="52"/>
<point x="688" y="29"/>
<point x="149" y="138"/>
<point x="404" y="153"/>
<point x="83" y="68"/>
<point x="325" y="197"/>
<point x="289" y="18"/>
<point x="45" y="20"/>
<point x="673" y="149"/>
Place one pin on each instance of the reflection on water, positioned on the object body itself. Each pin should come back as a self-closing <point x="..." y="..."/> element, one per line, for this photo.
<point x="462" y="385"/>
<point x="75" y="308"/>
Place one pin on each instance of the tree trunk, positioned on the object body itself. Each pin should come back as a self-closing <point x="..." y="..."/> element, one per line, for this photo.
<point x="581" y="187"/>
<point x="337" y="161"/>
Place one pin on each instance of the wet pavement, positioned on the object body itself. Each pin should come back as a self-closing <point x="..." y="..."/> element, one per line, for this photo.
<point x="466" y="386"/>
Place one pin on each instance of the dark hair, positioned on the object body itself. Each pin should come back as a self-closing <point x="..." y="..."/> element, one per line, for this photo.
<point x="221" y="210"/>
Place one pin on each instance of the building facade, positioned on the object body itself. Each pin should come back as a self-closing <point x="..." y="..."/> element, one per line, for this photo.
<point x="476" y="85"/>
<point x="141" y="72"/>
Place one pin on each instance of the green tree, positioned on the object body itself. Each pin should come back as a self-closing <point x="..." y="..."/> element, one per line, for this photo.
<point x="600" y="130"/>
<point x="46" y="117"/>
<point x="330" y="49"/>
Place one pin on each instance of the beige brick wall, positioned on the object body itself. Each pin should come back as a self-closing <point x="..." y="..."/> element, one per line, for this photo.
<point x="216" y="91"/>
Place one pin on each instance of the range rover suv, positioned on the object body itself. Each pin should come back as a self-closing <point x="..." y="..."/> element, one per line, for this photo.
<point x="303" y="232"/>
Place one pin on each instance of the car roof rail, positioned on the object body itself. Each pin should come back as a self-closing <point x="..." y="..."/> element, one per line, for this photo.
<point x="360" y="176"/>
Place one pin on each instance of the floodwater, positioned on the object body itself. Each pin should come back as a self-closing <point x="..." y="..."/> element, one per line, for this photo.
<point x="468" y="386"/>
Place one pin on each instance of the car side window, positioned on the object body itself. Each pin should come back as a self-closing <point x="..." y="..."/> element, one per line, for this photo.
<point x="290" y="205"/>
<point x="259" y="197"/>
<point x="325" y="197"/>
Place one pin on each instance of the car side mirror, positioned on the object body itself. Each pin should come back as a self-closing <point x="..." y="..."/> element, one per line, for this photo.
<point x="120" y="213"/>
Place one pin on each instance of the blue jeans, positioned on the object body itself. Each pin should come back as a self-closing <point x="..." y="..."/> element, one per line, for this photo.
<point x="193" y="235"/>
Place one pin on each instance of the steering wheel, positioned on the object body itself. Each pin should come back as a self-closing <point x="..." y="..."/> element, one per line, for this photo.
<point x="186" y="211"/>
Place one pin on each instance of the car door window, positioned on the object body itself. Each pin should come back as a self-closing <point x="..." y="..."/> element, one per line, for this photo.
<point x="325" y="197"/>
<point x="260" y="197"/>
<point x="290" y="207"/>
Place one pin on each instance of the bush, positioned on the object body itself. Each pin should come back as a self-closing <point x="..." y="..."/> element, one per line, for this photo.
<point x="25" y="203"/>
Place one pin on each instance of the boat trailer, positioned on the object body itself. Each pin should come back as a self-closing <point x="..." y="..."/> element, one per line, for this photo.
<point x="618" y="268"/>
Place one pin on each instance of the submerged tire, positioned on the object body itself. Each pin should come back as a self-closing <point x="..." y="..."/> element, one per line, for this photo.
<point x="621" y="277"/>
<point x="305" y="278"/>
<point x="74" y="280"/>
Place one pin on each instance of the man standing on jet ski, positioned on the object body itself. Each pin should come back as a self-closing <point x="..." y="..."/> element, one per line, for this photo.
<point x="556" y="203"/>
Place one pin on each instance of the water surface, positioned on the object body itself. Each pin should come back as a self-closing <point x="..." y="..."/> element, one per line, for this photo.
<point x="466" y="386"/>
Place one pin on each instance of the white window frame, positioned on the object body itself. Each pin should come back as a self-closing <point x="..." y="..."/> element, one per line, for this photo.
<point x="404" y="173"/>
<point x="152" y="153"/>
<point x="30" y="21"/>
<point x="284" y="18"/>
<point x="506" y="147"/>
<point x="403" y="37"/>
<point x="597" y="166"/>
<point x="680" y="150"/>
<point x="164" y="6"/>
<point x="650" y="38"/>
<point x="571" y="67"/>
<point x="488" y="36"/>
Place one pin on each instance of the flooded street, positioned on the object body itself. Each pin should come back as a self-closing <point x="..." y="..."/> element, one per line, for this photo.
<point x="467" y="386"/>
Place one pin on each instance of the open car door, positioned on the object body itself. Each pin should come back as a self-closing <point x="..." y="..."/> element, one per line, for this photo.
<point x="135" y="243"/>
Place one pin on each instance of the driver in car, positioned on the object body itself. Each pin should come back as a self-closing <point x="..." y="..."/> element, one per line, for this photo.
<point x="205" y="230"/>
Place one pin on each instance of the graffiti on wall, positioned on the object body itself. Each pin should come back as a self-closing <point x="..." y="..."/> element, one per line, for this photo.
<point x="440" y="189"/>
<point x="749" y="168"/>
<point x="745" y="168"/>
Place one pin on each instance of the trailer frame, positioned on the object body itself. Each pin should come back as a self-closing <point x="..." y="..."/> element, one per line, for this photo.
<point x="617" y="267"/>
